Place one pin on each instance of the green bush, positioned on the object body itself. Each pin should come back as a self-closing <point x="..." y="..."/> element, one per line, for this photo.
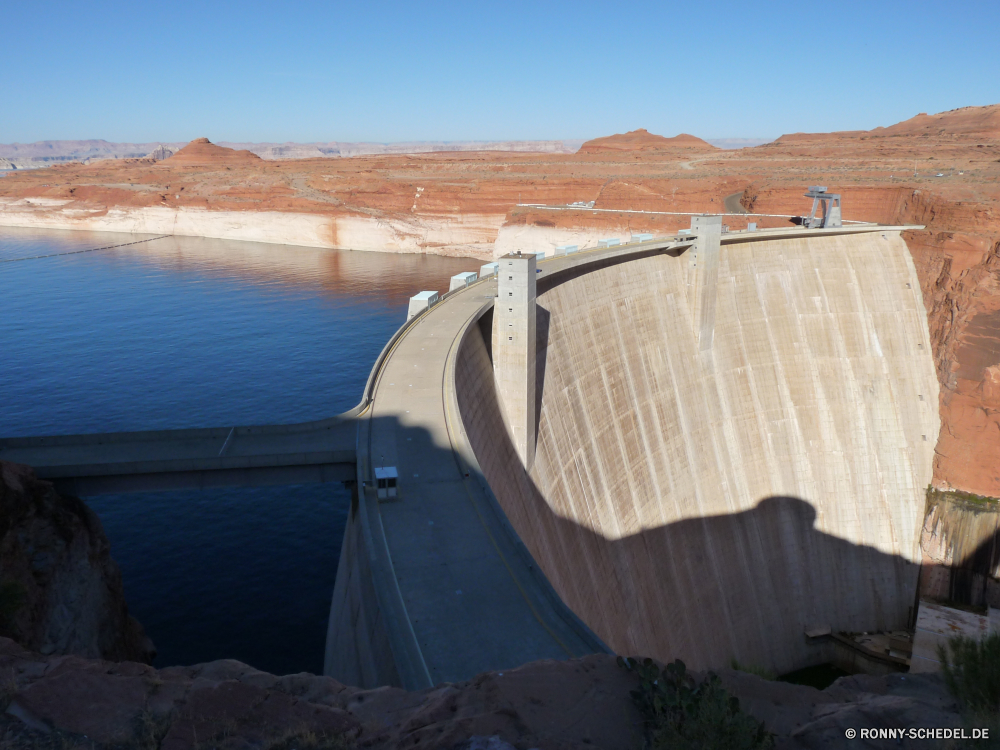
<point x="971" y="670"/>
<point x="682" y="714"/>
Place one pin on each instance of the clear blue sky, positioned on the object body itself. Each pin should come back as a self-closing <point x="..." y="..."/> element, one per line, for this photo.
<point x="397" y="71"/>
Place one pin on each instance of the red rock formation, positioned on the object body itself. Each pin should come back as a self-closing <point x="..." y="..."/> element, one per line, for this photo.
<point x="984" y="121"/>
<point x="642" y="140"/>
<point x="201" y="152"/>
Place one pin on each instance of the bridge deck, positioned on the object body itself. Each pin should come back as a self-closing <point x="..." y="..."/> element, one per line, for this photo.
<point x="472" y="599"/>
<point x="171" y="459"/>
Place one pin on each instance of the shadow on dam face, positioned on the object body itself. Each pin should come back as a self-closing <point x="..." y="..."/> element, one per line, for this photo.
<point x="743" y="585"/>
<point x="707" y="590"/>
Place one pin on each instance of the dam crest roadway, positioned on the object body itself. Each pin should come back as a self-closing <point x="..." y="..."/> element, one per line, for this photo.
<point x="448" y="580"/>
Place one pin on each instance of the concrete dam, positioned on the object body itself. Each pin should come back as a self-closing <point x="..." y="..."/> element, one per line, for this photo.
<point x="717" y="467"/>
<point x="714" y="505"/>
<point x="698" y="447"/>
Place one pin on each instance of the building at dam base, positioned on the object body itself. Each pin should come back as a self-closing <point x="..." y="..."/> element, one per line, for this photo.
<point x="712" y="503"/>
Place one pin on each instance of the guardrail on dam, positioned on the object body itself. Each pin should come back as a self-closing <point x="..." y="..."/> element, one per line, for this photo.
<point x="728" y="449"/>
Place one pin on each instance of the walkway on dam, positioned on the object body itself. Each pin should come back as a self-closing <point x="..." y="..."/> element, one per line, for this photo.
<point x="473" y="600"/>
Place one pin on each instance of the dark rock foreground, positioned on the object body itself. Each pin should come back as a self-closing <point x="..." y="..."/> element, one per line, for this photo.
<point x="76" y="675"/>
<point x="69" y="702"/>
<point x="60" y="590"/>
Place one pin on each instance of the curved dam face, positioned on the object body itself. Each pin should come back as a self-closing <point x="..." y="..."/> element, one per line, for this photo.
<point x="712" y="505"/>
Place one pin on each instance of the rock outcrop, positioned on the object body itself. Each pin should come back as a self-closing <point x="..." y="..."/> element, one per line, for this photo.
<point x="982" y="121"/>
<point x="549" y="705"/>
<point x="642" y="140"/>
<point x="201" y="152"/>
<point x="160" y="153"/>
<point x="60" y="590"/>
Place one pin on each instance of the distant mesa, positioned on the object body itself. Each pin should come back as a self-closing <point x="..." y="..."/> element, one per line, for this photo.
<point x="983" y="121"/>
<point x="973" y="121"/>
<point x="201" y="152"/>
<point x="643" y="140"/>
<point x="805" y="137"/>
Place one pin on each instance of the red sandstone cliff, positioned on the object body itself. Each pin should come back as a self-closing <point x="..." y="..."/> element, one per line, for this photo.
<point x="642" y="140"/>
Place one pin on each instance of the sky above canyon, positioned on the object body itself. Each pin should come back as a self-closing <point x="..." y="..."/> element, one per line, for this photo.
<point x="406" y="71"/>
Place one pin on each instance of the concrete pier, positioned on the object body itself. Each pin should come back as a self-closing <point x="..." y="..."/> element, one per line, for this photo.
<point x="420" y="302"/>
<point x="514" y="343"/>
<point x="461" y="280"/>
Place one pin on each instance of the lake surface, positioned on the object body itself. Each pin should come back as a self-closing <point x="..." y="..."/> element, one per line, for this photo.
<point x="190" y="332"/>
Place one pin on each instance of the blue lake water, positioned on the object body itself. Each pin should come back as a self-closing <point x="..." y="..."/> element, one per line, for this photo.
<point x="190" y="332"/>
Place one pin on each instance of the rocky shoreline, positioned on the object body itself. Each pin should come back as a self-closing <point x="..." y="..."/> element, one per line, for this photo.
<point x="60" y="590"/>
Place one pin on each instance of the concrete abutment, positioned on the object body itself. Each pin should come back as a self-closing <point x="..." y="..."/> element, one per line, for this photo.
<point x="515" y="334"/>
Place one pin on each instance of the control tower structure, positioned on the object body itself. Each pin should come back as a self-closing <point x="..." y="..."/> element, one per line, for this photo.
<point x="829" y="205"/>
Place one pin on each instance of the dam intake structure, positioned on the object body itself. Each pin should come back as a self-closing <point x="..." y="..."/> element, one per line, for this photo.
<point x="722" y="441"/>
